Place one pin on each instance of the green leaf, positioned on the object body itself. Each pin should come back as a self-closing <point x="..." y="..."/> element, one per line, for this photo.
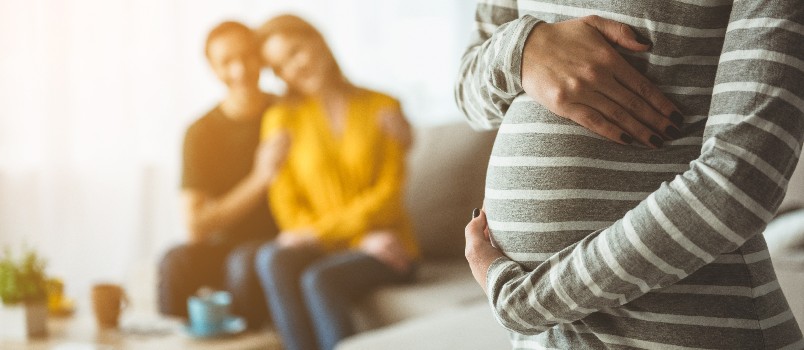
<point x="22" y="280"/>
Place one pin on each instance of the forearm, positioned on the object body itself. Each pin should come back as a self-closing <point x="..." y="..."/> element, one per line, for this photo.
<point x="752" y="142"/>
<point x="209" y="216"/>
<point x="490" y="75"/>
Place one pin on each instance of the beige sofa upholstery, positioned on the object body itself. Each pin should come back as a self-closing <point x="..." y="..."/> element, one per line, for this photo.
<point x="446" y="309"/>
<point x="469" y="328"/>
<point x="446" y="177"/>
<point x="785" y="237"/>
<point x="446" y="180"/>
<point x="440" y="285"/>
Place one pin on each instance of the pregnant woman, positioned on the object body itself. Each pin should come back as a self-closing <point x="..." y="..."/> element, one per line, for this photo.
<point x="615" y="221"/>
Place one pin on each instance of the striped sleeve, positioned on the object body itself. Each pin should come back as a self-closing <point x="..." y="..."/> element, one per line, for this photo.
<point x="753" y="139"/>
<point x="490" y="76"/>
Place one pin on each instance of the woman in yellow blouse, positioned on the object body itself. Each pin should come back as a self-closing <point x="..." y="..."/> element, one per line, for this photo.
<point x="338" y="197"/>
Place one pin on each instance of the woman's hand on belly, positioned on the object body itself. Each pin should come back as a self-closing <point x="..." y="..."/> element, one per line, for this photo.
<point x="570" y="68"/>
<point x="479" y="251"/>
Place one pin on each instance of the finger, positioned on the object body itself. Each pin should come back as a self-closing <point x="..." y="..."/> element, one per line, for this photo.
<point x="477" y="226"/>
<point x="640" y="108"/>
<point x="644" y="88"/>
<point x="617" y="33"/>
<point x="486" y="231"/>
<point x="590" y="118"/>
<point x="399" y="265"/>
<point x="385" y="123"/>
<point x="400" y="259"/>
<point x="393" y="258"/>
<point x="397" y="126"/>
<point x="619" y="116"/>
<point x="491" y="240"/>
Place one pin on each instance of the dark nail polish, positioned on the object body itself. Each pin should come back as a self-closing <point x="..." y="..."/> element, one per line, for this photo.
<point x="644" y="41"/>
<point x="475" y="213"/>
<point x="656" y="141"/>
<point x="627" y="138"/>
<point x="672" y="132"/>
<point x="676" y="118"/>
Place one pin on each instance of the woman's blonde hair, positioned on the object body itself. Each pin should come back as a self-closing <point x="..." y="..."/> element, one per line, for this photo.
<point x="287" y="24"/>
<point x="296" y="27"/>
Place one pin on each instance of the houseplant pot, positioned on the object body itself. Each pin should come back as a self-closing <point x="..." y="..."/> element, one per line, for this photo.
<point x="23" y="295"/>
<point x="23" y="321"/>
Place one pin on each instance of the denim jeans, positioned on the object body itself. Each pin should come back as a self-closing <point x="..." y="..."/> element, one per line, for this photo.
<point x="311" y="294"/>
<point x="222" y="265"/>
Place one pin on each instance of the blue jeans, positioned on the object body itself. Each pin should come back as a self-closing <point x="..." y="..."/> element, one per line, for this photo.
<point x="222" y="265"/>
<point x="311" y="294"/>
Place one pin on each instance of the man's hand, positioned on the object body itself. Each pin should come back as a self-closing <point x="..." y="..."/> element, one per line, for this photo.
<point x="386" y="247"/>
<point x="479" y="251"/>
<point x="393" y="123"/>
<point x="270" y="155"/>
<point x="298" y="238"/>
<point x="570" y="68"/>
<point x="207" y="214"/>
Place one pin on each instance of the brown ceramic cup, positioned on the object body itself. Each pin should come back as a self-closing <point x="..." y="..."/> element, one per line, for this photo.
<point x="108" y="300"/>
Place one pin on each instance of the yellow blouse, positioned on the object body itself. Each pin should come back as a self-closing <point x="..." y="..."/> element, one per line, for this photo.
<point x="342" y="186"/>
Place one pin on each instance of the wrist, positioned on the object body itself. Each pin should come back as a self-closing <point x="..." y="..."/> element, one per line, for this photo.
<point x="525" y="35"/>
<point x="493" y="271"/>
<point x="260" y="179"/>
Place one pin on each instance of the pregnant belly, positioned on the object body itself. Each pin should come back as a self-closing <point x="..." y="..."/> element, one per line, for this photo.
<point x="551" y="182"/>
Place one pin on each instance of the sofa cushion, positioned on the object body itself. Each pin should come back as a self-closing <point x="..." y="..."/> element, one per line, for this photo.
<point x="440" y="285"/>
<point x="795" y="189"/>
<point x="446" y="179"/>
<point x="469" y="328"/>
<point x="785" y="237"/>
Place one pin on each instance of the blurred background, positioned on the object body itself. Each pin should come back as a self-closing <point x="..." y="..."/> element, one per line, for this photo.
<point x="95" y="96"/>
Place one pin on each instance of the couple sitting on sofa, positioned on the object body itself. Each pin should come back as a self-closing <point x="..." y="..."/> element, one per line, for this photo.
<point x="329" y="158"/>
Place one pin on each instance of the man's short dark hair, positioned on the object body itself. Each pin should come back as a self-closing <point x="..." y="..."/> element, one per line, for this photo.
<point x="228" y="27"/>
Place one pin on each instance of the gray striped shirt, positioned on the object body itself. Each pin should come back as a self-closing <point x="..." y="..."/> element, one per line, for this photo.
<point x="612" y="246"/>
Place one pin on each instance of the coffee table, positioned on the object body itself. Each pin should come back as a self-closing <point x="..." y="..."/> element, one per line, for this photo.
<point x="137" y="331"/>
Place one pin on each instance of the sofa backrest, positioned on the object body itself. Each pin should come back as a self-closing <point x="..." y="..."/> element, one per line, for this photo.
<point x="446" y="180"/>
<point x="795" y="189"/>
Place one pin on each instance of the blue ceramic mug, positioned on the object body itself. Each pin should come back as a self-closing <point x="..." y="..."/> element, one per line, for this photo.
<point x="209" y="313"/>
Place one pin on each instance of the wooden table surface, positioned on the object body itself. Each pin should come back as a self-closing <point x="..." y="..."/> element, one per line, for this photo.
<point x="137" y="331"/>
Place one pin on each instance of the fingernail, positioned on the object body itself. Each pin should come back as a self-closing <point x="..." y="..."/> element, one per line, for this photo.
<point x="644" y="41"/>
<point x="673" y="132"/>
<point x="475" y="213"/>
<point x="676" y="118"/>
<point x="626" y="138"/>
<point x="656" y="141"/>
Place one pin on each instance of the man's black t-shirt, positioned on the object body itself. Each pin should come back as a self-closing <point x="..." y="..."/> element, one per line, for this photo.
<point x="219" y="153"/>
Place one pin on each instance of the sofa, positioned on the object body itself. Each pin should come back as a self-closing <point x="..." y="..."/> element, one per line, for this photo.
<point x="445" y="308"/>
<point x="446" y="178"/>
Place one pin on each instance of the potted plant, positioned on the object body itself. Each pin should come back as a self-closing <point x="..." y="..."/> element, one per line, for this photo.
<point x="23" y="296"/>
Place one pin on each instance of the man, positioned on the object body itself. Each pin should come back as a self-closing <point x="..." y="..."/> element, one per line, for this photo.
<point x="226" y="172"/>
